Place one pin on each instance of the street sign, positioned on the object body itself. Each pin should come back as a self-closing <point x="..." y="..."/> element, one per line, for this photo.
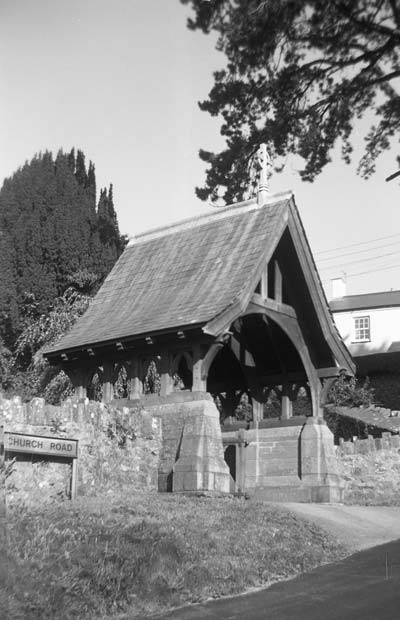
<point x="20" y="443"/>
<point x="37" y="444"/>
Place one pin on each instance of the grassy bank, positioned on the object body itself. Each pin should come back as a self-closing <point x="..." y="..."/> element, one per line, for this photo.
<point x="96" y="558"/>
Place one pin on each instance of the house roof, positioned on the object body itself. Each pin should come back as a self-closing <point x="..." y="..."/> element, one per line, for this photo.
<point x="367" y="301"/>
<point x="180" y="275"/>
<point x="194" y="274"/>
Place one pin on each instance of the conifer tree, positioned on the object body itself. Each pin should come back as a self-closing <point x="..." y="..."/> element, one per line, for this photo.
<point x="80" y="172"/>
<point x="91" y="184"/>
<point x="50" y="229"/>
<point x="112" y="242"/>
<point x="71" y="160"/>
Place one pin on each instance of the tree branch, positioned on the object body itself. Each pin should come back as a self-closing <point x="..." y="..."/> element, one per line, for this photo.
<point x="365" y="25"/>
<point x="396" y="11"/>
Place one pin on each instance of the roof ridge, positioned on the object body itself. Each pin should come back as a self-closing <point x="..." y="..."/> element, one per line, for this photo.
<point x="366" y="294"/>
<point x="198" y="220"/>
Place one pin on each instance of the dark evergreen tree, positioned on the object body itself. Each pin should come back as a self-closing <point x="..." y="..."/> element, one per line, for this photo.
<point x="80" y="171"/>
<point x="49" y="230"/>
<point x="91" y="184"/>
<point x="71" y="160"/>
<point x="112" y="243"/>
<point x="8" y="291"/>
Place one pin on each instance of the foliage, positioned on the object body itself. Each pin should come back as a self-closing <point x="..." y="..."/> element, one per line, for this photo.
<point x="121" y="383"/>
<point x="58" y="388"/>
<point x="30" y="374"/>
<point x="95" y="388"/>
<point x="152" y="380"/>
<point x="48" y="328"/>
<point x="149" y="552"/>
<point x="6" y="362"/>
<point x="50" y="229"/>
<point x="56" y="248"/>
<point x="121" y="428"/>
<point x="6" y="470"/>
<point x="298" y="76"/>
<point x="346" y="392"/>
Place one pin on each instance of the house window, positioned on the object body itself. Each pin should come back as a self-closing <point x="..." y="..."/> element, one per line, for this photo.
<point x="362" y="331"/>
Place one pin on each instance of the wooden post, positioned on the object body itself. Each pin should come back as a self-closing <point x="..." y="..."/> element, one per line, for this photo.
<point x="240" y="463"/>
<point x="165" y="371"/>
<point x="108" y="387"/>
<point x="316" y="394"/>
<point x="278" y="283"/>
<point x="74" y="478"/>
<point x="135" y="379"/>
<point x="286" y="402"/>
<point x="79" y="379"/>
<point x="199" y="382"/>
<point x="258" y="410"/>
<point x="264" y="283"/>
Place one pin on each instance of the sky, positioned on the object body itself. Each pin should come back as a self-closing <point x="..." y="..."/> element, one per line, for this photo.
<point x="121" y="80"/>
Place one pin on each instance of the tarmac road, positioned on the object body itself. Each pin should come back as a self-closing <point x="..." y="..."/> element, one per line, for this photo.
<point x="357" y="588"/>
<point x="364" y="586"/>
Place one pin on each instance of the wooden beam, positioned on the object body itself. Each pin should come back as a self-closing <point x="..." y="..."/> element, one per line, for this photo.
<point x="291" y="377"/>
<point x="264" y="283"/>
<point x="339" y="351"/>
<point x="272" y="304"/>
<point x="291" y="327"/>
<point x="277" y="283"/>
<point x="334" y="371"/>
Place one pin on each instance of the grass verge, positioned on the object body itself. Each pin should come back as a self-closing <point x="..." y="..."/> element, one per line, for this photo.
<point x="147" y="553"/>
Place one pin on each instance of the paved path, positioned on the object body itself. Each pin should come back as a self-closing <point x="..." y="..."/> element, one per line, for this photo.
<point x="364" y="586"/>
<point x="353" y="589"/>
<point x="358" y="527"/>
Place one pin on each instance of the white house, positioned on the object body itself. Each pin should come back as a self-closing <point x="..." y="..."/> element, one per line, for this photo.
<point x="370" y="327"/>
<point x="368" y="323"/>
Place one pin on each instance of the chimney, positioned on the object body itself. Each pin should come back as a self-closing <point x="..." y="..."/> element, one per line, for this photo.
<point x="338" y="287"/>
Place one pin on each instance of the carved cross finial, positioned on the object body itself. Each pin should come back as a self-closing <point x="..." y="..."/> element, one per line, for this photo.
<point x="265" y="163"/>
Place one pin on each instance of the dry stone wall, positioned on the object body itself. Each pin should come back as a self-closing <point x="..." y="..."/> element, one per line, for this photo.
<point x="119" y="446"/>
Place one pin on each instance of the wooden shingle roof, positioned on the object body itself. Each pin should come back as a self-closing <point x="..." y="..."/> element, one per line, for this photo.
<point x="181" y="275"/>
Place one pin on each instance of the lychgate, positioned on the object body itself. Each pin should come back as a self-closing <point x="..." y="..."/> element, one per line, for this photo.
<point x="225" y="304"/>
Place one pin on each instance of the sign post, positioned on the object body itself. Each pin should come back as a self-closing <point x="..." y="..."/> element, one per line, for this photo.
<point x="56" y="447"/>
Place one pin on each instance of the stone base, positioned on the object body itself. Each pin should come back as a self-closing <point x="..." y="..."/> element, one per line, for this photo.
<point x="192" y="457"/>
<point x="201" y="466"/>
<point x="290" y="463"/>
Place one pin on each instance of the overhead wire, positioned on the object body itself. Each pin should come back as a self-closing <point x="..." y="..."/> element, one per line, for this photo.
<point x="361" y="260"/>
<point x="378" y="247"/>
<point x="362" y="273"/>
<point x="353" y="245"/>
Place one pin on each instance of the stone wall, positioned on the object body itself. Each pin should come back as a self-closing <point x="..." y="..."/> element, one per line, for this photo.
<point x="119" y="446"/>
<point x="287" y="460"/>
<point x="369" y="445"/>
